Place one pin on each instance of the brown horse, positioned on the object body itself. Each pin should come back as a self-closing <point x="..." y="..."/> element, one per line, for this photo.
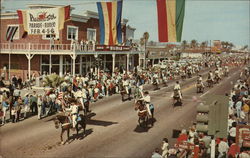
<point x="199" y="86"/>
<point x="177" y="101"/>
<point x="66" y="125"/>
<point x="142" y="113"/>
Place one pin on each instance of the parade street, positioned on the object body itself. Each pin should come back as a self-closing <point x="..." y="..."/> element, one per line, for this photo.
<point x="112" y="128"/>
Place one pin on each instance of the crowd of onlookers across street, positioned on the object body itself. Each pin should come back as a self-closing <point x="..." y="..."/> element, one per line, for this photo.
<point x="87" y="45"/>
<point x="194" y="144"/>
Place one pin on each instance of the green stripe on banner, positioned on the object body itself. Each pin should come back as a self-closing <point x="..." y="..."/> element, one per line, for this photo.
<point x="180" y="12"/>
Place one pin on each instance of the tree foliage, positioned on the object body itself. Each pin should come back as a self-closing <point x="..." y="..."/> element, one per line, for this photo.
<point x="53" y="81"/>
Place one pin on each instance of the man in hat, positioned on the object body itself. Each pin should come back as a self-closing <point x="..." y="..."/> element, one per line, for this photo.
<point x="73" y="113"/>
<point x="147" y="99"/>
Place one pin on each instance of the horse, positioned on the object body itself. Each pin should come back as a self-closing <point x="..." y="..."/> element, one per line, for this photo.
<point x="217" y="79"/>
<point x="123" y="92"/>
<point x="142" y="113"/>
<point x="189" y="73"/>
<point x="176" y="98"/>
<point x="155" y="83"/>
<point x="200" y="88"/>
<point x="66" y="125"/>
<point x="183" y="76"/>
<point x="210" y="83"/>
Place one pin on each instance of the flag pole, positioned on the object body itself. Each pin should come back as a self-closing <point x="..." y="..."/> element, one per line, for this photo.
<point x="9" y="56"/>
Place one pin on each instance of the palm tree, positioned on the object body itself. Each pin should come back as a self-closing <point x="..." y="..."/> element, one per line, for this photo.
<point x="245" y="47"/>
<point x="184" y="44"/>
<point x="203" y="45"/>
<point x="193" y="43"/>
<point x="53" y="81"/>
<point x="230" y="46"/>
<point x="146" y="37"/>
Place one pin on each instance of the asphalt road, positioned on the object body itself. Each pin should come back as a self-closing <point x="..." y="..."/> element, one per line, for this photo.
<point x="113" y="130"/>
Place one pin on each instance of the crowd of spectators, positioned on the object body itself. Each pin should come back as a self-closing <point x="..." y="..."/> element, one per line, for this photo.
<point x="195" y="144"/>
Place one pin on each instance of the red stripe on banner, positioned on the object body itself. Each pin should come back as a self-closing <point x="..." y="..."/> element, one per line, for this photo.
<point x="20" y="16"/>
<point x="162" y="21"/>
<point x="67" y="12"/>
<point x="109" y="6"/>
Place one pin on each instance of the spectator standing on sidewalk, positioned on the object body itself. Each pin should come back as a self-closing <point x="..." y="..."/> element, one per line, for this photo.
<point x="39" y="106"/>
<point x="26" y="105"/>
<point x="33" y="103"/>
<point x="223" y="148"/>
<point x="5" y="106"/>
<point x="18" y="108"/>
<point x="164" y="148"/>
<point x="156" y="154"/>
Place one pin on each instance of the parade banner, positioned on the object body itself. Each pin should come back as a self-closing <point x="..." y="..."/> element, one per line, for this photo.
<point x="170" y="19"/>
<point x="110" y="14"/>
<point x="44" y="21"/>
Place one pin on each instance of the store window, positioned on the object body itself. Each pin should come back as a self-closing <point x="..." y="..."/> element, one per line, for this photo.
<point x="72" y="33"/>
<point x="91" y="34"/>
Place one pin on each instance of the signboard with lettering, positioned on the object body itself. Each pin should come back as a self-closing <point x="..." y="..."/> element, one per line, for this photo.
<point x="111" y="48"/>
<point x="42" y="21"/>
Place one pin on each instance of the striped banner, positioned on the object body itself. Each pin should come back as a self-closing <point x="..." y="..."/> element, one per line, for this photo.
<point x="10" y="33"/>
<point x="110" y="14"/>
<point x="170" y="19"/>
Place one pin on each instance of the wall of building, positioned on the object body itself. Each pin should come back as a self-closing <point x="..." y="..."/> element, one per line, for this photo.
<point x="19" y="65"/>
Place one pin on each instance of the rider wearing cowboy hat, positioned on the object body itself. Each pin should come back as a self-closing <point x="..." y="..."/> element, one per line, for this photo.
<point x="146" y="98"/>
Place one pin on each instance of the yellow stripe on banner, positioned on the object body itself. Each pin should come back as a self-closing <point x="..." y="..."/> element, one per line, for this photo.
<point x="61" y="13"/>
<point x="24" y="14"/>
<point x="171" y="9"/>
<point x="106" y="22"/>
<point x="114" y="15"/>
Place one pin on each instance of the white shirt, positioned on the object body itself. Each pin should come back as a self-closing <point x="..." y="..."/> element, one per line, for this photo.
<point x="232" y="132"/>
<point x="177" y="86"/>
<point x="147" y="98"/>
<point x="73" y="109"/>
<point x="223" y="147"/>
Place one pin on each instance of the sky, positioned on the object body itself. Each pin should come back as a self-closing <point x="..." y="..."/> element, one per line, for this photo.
<point x="205" y="20"/>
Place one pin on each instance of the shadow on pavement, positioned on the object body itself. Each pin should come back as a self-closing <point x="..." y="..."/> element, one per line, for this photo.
<point x="100" y="123"/>
<point x="80" y="135"/>
<point x="142" y="128"/>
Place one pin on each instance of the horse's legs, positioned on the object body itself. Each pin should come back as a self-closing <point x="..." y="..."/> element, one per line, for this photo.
<point x="83" y="124"/>
<point x="68" y="133"/>
<point x="62" y="136"/>
<point x="77" y="128"/>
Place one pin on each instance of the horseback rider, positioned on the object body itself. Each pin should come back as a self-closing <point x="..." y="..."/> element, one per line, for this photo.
<point x="155" y="78"/>
<point x="216" y="73"/>
<point x="210" y="76"/>
<point x="73" y="113"/>
<point x="147" y="99"/>
<point x="125" y="84"/>
<point x="199" y="81"/>
<point x="177" y="87"/>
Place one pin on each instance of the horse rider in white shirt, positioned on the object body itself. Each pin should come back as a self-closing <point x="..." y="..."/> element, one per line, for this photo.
<point x="74" y="113"/>
<point x="178" y="88"/>
<point x="147" y="99"/>
<point x="125" y="84"/>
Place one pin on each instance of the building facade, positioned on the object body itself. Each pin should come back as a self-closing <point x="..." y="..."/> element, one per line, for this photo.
<point x="74" y="50"/>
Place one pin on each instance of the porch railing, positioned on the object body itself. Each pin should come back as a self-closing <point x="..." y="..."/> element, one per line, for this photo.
<point x="43" y="47"/>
